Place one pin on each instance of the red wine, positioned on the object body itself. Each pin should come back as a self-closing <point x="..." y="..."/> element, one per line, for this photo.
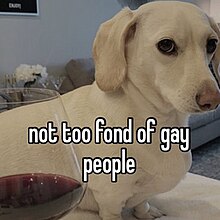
<point x="37" y="196"/>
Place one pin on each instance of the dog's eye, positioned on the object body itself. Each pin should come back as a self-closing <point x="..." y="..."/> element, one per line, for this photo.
<point x="167" y="46"/>
<point x="211" y="45"/>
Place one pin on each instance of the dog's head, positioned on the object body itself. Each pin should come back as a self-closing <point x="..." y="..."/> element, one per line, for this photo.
<point x="163" y="47"/>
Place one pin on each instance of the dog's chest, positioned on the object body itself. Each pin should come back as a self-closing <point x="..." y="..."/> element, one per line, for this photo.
<point x="169" y="172"/>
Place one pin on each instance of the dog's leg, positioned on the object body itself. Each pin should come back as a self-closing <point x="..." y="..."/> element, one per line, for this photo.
<point x="80" y="214"/>
<point x="109" y="211"/>
<point x="112" y="198"/>
<point x="145" y="211"/>
<point x="111" y="202"/>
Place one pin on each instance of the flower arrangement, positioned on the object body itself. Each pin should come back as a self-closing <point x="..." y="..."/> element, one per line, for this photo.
<point x="30" y="73"/>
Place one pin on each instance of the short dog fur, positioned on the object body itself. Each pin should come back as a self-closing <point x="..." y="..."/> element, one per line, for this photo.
<point x="136" y="77"/>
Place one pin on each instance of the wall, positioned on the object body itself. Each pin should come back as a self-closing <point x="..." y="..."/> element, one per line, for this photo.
<point x="64" y="30"/>
<point x="215" y="10"/>
<point x="204" y="4"/>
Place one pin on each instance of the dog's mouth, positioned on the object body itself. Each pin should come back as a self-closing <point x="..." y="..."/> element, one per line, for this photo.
<point x="206" y="107"/>
<point x="197" y="109"/>
<point x="203" y="108"/>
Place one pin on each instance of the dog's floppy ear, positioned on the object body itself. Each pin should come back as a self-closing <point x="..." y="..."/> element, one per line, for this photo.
<point x="109" y="50"/>
<point x="216" y="58"/>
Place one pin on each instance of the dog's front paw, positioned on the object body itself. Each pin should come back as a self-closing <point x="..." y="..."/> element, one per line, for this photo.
<point x="149" y="213"/>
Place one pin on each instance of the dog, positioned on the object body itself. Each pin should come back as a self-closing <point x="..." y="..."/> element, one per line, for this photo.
<point x="150" y="62"/>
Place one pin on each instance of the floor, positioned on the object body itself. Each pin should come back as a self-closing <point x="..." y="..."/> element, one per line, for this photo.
<point x="206" y="160"/>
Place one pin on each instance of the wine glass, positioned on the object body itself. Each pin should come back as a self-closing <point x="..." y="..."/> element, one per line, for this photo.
<point x="39" y="179"/>
<point x="57" y="81"/>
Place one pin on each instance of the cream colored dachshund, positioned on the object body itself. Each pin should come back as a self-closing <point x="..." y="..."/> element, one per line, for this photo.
<point x="150" y="62"/>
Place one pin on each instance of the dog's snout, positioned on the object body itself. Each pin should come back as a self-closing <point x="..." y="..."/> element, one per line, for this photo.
<point x="208" y="99"/>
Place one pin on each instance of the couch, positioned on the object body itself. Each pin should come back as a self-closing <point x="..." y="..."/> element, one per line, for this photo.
<point x="204" y="127"/>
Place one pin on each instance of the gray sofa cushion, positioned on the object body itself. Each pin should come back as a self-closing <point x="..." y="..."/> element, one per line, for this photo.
<point x="79" y="72"/>
<point x="199" y="120"/>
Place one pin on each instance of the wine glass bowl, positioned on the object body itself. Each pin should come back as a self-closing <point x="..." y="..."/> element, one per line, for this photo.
<point x="39" y="180"/>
